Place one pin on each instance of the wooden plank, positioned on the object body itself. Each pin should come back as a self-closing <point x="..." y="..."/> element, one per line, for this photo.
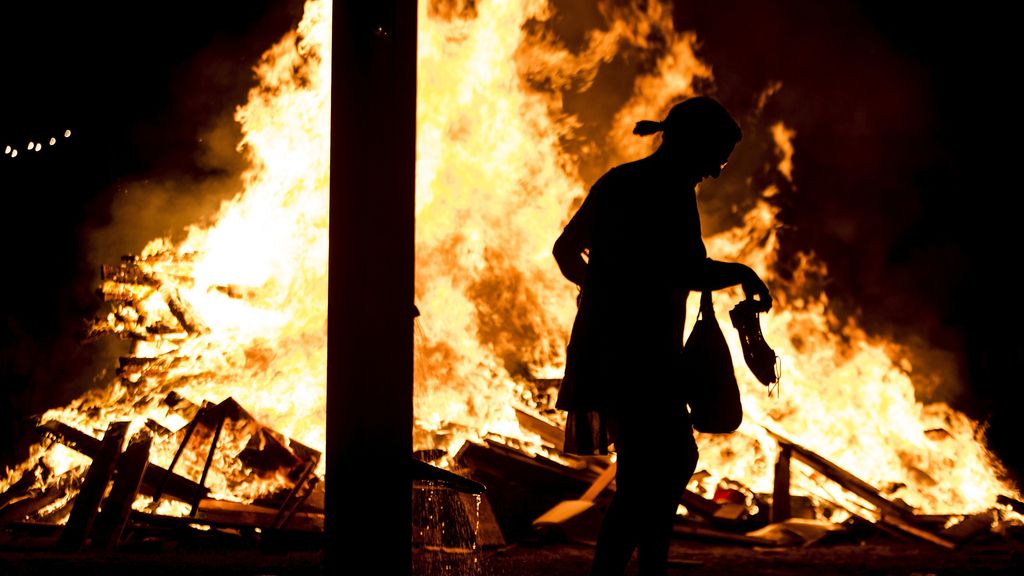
<point x="430" y="473"/>
<point x="20" y="489"/>
<point x="781" y="503"/>
<point x="699" y="505"/>
<point x="71" y="437"/>
<point x="183" y="313"/>
<point x="904" y="525"/>
<point x="223" y="512"/>
<point x="690" y="530"/>
<point x="83" y="514"/>
<point x="177" y="487"/>
<point x="127" y="272"/>
<point x="521" y="487"/>
<point x="30" y="504"/>
<point x="844" y="478"/>
<point x="970" y="527"/>
<point x="547" y="431"/>
<point x="117" y="508"/>
<point x="1017" y="505"/>
<point x="303" y="521"/>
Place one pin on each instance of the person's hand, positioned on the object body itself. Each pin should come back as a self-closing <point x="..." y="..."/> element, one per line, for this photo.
<point x="755" y="289"/>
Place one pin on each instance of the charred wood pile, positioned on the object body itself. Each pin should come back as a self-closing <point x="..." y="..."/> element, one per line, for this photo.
<point x="117" y="500"/>
<point x="492" y="492"/>
<point x="557" y="497"/>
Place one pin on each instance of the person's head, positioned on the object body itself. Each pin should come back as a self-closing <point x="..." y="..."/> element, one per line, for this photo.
<point x="698" y="133"/>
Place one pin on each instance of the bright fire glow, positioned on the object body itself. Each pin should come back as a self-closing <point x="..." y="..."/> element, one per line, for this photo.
<point x="495" y="184"/>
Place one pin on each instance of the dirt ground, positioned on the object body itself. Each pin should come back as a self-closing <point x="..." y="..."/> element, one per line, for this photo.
<point x="562" y="559"/>
<point x="698" y="559"/>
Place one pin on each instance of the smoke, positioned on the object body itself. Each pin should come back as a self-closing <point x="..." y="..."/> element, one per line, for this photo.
<point x="148" y="92"/>
<point x="148" y="208"/>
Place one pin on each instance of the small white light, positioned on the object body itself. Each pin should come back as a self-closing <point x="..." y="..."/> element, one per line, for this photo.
<point x="14" y="154"/>
<point x="67" y="133"/>
<point x="39" y="146"/>
<point x="7" y="150"/>
<point x="31" y="145"/>
<point x="53" y="141"/>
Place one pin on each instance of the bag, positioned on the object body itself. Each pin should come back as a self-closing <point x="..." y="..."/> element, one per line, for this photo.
<point x="708" y="377"/>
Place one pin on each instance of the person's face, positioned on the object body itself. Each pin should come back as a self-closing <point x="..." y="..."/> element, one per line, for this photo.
<point x="713" y="161"/>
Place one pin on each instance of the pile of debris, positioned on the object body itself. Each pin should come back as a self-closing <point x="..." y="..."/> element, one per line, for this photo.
<point x="117" y="498"/>
<point x="564" y="497"/>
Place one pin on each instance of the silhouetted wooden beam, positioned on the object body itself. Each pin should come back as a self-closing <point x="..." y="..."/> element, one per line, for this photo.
<point x="547" y="431"/>
<point x="83" y="514"/>
<point x="30" y="503"/>
<point x="781" y="505"/>
<point x="970" y="527"/>
<point x="428" y="472"/>
<point x="690" y="530"/>
<point x="910" y="528"/>
<point x="222" y="512"/>
<point x="177" y="487"/>
<point x="131" y="467"/>
<point x="233" y="515"/>
<point x="891" y="513"/>
<point x="844" y="478"/>
<point x="1017" y="505"/>
<point x="699" y="505"/>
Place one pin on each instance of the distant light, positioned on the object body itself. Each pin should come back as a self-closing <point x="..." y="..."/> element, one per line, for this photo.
<point x="39" y="146"/>
<point x="7" y="150"/>
<point x="53" y="141"/>
<point x="67" y="133"/>
<point x="14" y="154"/>
<point x="31" y="145"/>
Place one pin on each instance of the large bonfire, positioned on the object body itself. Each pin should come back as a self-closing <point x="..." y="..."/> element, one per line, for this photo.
<point x="499" y="163"/>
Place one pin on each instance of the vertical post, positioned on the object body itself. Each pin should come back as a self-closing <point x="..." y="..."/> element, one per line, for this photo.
<point x="117" y="508"/>
<point x="370" y="312"/>
<point x="781" y="509"/>
<point x="87" y="503"/>
<point x="198" y="496"/>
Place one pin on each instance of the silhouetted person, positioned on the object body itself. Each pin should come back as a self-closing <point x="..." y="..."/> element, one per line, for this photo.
<point x="640" y="231"/>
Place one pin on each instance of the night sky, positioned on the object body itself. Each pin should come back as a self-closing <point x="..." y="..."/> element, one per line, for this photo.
<point x="903" y="183"/>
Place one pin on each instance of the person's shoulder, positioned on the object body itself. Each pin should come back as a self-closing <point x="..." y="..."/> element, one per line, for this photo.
<point x="620" y="173"/>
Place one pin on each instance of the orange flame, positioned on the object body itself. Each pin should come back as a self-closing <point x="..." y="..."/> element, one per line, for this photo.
<point x="494" y="186"/>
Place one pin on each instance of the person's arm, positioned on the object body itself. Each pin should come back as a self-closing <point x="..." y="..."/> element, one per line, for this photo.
<point x="575" y="240"/>
<point x="715" y="275"/>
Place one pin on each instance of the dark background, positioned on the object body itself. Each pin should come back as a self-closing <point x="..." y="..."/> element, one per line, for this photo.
<point x="902" y="182"/>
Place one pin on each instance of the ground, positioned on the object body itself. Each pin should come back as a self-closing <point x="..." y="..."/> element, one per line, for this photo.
<point x="995" y="556"/>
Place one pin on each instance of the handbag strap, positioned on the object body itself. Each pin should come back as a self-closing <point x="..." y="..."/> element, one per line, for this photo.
<point x="707" y="309"/>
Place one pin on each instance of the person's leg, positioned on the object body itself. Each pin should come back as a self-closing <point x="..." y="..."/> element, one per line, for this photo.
<point x="671" y="455"/>
<point x="618" y="537"/>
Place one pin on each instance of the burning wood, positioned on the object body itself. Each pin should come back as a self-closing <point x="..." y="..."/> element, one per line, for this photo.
<point x="93" y="488"/>
<point x="895" y="514"/>
<point x="134" y="476"/>
<point x="131" y="469"/>
<point x="174" y="486"/>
